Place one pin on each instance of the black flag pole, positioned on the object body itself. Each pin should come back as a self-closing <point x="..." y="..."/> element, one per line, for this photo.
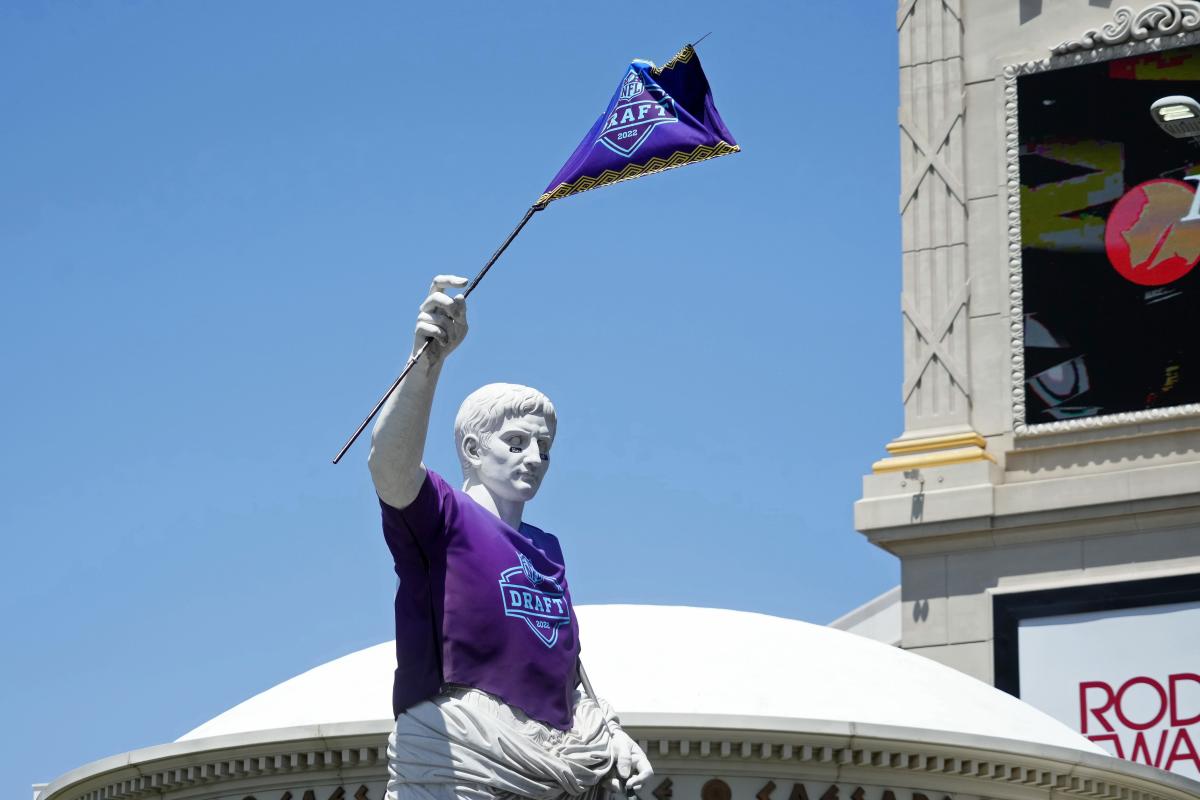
<point x="415" y="357"/>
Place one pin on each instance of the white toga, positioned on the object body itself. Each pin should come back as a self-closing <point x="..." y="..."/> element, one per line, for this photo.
<point x="465" y="743"/>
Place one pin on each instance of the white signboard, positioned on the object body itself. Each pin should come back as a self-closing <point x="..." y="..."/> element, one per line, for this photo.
<point x="1127" y="679"/>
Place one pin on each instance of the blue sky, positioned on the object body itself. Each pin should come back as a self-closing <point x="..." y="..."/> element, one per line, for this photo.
<point x="216" y="221"/>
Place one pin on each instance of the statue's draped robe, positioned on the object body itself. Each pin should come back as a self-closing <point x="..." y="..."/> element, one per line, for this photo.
<point x="466" y="743"/>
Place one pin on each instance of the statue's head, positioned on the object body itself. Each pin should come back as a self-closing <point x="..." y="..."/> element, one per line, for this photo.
<point x="503" y="434"/>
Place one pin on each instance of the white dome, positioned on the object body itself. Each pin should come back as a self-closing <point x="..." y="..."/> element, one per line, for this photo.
<point x="703" y="668"/>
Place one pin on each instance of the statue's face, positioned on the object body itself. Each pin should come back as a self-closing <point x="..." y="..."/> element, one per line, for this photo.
<point x="516" y="458"/>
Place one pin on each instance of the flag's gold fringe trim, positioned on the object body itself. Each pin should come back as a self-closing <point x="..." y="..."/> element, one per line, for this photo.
<point x="682" y="57"/>
<point x="677" y="159"/>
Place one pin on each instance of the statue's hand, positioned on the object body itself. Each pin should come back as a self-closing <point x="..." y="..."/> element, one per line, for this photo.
<point x="633" y="768"/>
<point x="442" y="318"/>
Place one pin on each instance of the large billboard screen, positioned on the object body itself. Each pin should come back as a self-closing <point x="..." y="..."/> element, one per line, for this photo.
<point x="1110" y="238"/>
<point x="1120" y="667"/>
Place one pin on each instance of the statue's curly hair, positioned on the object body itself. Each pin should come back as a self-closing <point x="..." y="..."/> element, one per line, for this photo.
<point x="486" y="409"/>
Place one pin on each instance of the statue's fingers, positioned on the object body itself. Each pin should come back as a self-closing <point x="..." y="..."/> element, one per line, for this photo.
<point x="641" y="768"/>
<point x="624" y="763"/>
<point x="644" y="771"/>
<point x="431" y="331"/>
<point x="442" y="282"/>
<point x="456" y="309"/>
<point x="454" y="327"/>
<point x="437" y="317"/>
<point x="437" y="300"/>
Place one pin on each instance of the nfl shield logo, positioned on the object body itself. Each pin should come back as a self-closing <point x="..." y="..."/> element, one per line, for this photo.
<point x="632" y="86"/>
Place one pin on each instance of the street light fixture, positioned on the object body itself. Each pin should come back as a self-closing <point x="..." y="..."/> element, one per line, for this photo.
<point x="1177" y="115"/>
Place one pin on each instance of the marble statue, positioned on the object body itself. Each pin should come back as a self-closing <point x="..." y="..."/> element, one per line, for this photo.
<point x="489" y="695"/>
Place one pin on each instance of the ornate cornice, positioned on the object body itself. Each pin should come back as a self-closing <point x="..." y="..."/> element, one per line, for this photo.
<point x="1160" y="19"/>
<point x="352" y="758"/>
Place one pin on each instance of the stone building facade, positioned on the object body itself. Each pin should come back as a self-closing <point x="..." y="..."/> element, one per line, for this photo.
<point x="978" y="498"/>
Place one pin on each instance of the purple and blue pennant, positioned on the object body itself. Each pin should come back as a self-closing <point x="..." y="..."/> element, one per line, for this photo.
<point x="659" y="118"/>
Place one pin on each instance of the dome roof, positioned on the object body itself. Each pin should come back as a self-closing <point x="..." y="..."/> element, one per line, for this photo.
<point x="702" y="668"/>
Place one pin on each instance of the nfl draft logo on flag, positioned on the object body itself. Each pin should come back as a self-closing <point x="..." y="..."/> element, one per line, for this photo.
<point x="659" y="118"/>
<point x="637" y="113"/>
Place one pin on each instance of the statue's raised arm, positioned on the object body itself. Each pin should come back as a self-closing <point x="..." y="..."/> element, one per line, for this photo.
<point x="398" y="440"/>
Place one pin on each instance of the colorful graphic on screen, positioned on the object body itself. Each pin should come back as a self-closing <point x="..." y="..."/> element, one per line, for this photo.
<point x="1147" y="237"/>
<point x="1110" y="239"/>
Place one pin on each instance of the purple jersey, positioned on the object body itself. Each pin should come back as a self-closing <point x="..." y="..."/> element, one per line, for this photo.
<point x="480" y="604"/>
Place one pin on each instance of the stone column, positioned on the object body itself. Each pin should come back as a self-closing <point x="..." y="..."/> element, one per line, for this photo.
<point x="933" y="207"/>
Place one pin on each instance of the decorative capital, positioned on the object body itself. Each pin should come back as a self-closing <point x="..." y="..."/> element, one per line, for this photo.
<point x="1160" y="19"/>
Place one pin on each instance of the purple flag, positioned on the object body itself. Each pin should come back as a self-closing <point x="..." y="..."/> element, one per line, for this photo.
<point x="659" y="118"/>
